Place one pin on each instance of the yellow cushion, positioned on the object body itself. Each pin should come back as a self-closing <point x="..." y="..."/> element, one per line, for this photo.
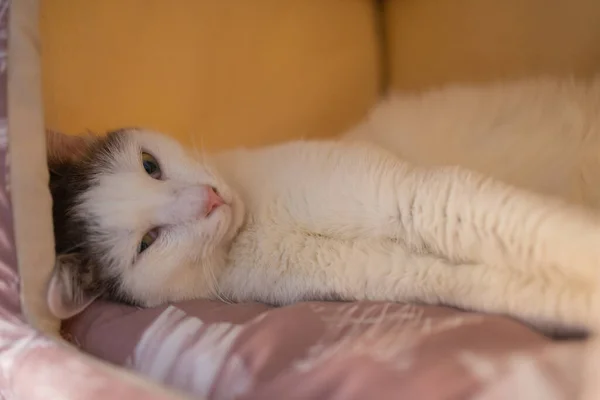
<point x="432" y="42"/>
<point x="233" y="72"/>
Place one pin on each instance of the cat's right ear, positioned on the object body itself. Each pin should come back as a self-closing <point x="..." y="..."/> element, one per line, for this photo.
<point x="62" y="148"/>
<point x="72" y="286"/>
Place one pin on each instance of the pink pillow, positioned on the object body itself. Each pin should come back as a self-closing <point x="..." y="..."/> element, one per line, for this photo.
<point x="328" y="350"/>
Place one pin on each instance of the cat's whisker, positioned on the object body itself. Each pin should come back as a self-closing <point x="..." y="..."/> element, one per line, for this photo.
<point x="71" y="249"/>
<point x="203" y="148"/>
<point x="200" y="153"/>
<point x="213" y="284"/>
<point x="194" y="146"/>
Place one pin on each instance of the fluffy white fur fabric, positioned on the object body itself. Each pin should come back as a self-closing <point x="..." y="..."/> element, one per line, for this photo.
<point x="541" y="134"/>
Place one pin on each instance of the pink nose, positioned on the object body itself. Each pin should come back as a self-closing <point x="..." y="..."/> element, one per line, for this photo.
<point x="213" y="201"/>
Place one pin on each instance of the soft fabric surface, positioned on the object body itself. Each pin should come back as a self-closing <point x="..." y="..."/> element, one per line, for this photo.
<point x="330" y="351"/>
<point x="540" y="134"/>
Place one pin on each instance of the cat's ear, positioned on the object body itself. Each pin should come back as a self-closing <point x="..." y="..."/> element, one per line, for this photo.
<point x="72" y="286"/>
<point x="62" y="148"/>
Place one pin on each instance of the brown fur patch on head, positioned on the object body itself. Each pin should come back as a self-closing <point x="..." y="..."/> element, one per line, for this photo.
<point x="63" y="148"/>
<point x="74" y="163"/>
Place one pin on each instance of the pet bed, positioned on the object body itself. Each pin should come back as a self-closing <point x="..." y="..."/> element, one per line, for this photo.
<point x="205" y="349"/>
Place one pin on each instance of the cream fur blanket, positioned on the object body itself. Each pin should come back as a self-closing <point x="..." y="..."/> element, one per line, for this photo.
<point x="541" y="134"/>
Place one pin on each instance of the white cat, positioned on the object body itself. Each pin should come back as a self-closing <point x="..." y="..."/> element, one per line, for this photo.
<point x="140" y="219"/>
<point x="541" y="134"/>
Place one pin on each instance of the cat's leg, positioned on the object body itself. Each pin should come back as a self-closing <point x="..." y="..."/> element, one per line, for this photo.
<point x="280" y="267"/>
<point x="465" y="216"/>
<point x="449" y="211"/>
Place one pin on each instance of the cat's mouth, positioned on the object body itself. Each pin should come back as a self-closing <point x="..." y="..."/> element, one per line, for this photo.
<point x="213" y="201"/>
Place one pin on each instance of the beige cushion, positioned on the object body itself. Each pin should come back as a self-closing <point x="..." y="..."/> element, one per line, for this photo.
<point x="31" y="200"/>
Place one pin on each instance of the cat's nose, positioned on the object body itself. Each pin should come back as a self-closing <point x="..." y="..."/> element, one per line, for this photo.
<point x="212" y="202"/>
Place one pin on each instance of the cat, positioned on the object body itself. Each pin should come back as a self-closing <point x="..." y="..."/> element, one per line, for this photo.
<point x="541" y="134"/>
<point x="142" y="220"/>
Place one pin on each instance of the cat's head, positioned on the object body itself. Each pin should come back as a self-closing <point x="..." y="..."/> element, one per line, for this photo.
<point x="137" y="219"/>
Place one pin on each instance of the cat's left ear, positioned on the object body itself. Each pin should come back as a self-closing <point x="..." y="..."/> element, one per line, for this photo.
<point x="63" y="148"/>
<point x="72" y="286"/>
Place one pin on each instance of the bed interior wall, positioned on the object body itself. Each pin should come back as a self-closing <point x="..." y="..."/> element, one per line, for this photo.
<point x="213" y="75"/>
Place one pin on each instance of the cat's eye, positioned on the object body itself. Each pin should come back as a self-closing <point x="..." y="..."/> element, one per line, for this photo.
<point x="151" y="165"/>
<point x="147" y="240"/>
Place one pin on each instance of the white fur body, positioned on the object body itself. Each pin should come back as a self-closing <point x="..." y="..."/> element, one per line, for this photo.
<point x="327" y="219"/>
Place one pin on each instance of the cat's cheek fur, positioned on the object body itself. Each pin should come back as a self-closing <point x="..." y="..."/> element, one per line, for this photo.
<point x="184" y="265"/>
<point x="187" y="203"/>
